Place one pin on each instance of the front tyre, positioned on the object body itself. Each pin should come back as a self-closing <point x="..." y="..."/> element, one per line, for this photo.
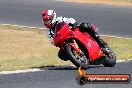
<point x="78" y="59"/>
<point x="62" y="55"/>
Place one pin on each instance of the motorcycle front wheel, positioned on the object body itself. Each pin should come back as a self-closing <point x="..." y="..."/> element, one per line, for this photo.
<point x="78" y="59"/>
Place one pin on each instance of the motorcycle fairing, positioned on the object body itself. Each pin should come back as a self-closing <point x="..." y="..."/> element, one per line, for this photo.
<point x="90" y="44"/>
<point x="64" y="33"/>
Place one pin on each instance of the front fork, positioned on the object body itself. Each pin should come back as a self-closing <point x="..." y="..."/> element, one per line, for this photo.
<point x="75" y="46"/>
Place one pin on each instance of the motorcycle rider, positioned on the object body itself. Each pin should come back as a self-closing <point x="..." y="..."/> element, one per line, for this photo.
<point x="50" y="20"/>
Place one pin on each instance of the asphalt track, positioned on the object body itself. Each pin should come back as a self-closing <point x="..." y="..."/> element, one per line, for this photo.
<point x="111" y="20"/>
<point x="63" y="77"/>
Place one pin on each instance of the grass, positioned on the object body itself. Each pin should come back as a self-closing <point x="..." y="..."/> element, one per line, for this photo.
<point x="22" y="48"/>
<point x="125" y="0"/>
<point x="107" y="2"/>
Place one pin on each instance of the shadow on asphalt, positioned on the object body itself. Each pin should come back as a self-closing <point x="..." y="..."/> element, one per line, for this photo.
<point x="65" y="67"/>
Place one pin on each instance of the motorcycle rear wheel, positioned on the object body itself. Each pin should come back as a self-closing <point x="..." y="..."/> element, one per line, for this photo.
<point x="110" y="58"/>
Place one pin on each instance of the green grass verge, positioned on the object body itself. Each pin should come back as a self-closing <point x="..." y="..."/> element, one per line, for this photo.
<point x="125" y="0"/>
<point x="23" y="48"/>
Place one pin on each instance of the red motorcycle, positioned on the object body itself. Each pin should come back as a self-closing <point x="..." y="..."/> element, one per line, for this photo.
<point x="80" y="48"/>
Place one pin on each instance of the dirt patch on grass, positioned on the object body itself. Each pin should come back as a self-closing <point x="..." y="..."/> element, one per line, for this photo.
<point x="107" y="2"/>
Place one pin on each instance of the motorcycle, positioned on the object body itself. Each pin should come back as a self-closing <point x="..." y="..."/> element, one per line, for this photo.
<point x="80" y="48"/>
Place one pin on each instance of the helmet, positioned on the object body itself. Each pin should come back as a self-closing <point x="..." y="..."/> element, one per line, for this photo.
<point x="48" y="16"/>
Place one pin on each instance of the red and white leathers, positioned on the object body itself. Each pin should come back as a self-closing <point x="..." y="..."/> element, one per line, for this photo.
<point x="63" y="19"/>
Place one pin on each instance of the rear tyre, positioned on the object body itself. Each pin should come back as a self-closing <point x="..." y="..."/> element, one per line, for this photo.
<point x="110" y="59"/>
<point x="78" y="60"/>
